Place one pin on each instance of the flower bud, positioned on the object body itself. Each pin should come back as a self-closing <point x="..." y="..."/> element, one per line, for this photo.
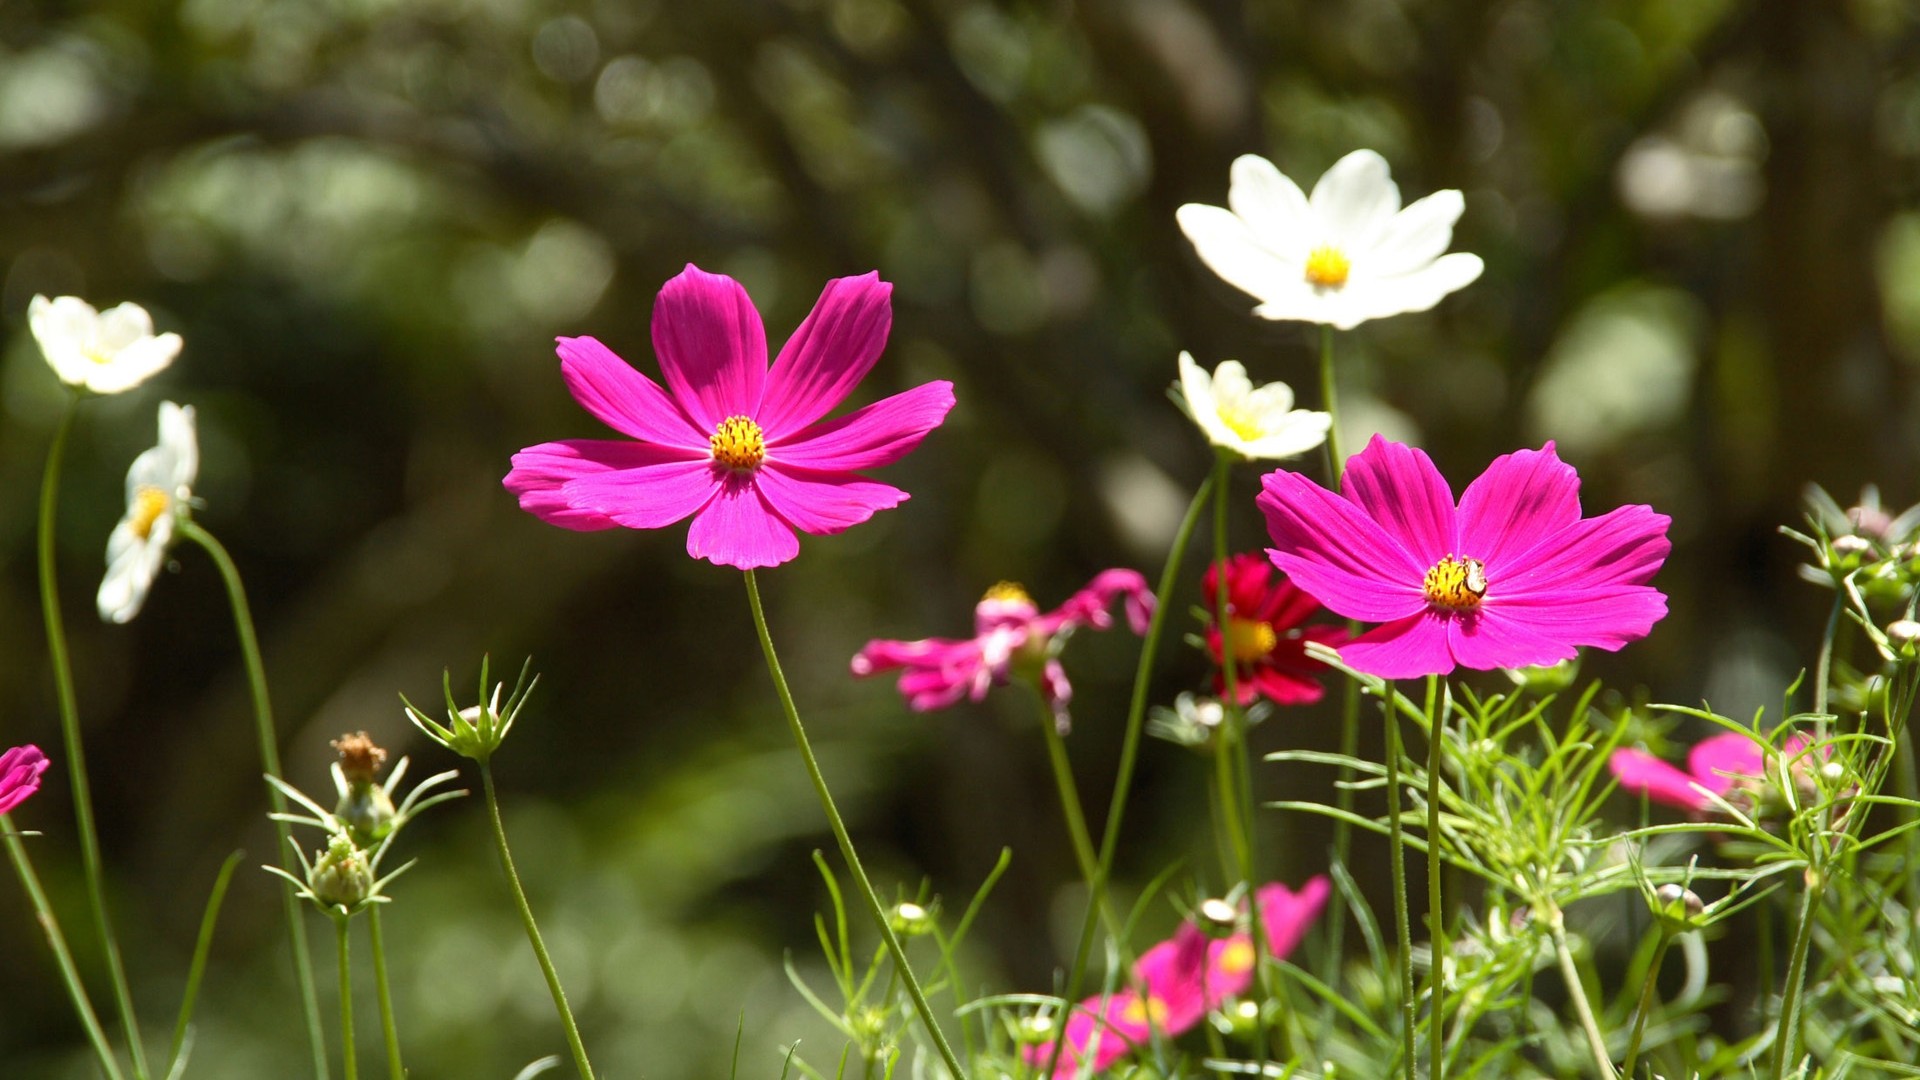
<point x="1243" y="1018"/>
<point x="365" y="807"/>
<point x="1903" y="632"/>
<point x="476" y="731"/>
<point x="341" y="875"/>
<point x="909" y="919"/>
<point x="1034" y="1030"/>
<point x="1851" y="546"/>
<point x="1218" y="918"/>
<point x="1547" y="679"/>
<point x="1678" y="908"/>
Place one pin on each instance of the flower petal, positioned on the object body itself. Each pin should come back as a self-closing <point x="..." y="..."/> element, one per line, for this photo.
<point x="647" y="496"/>
<point x="1640" y="773"/>
<point x="1415" y="237"/>
<point x="20" y="770"/>
<point x="1378" y="298"/>
<point x="1522" y="498"/>
<point x="1355" y="200"/>
<point x="1287" y="915"/>
<point x="823" y="502"/>
<point x="867" y="438"/>
<point x="1716" y="760"/>
<point x="1337" y="553"/>
<point x="622" y="397"/>
<point x="1624" y="546"/>
<point x="1604" y="617"/>
<point x="1231" y="250"/>
<point x="541" y="473"/>
<point x="1497" y="637"/>
<point x="738" y="529"/>
<point x="1274" y="207"/>
<point x="1399" y="488"/>
<point x="134" y="363"/>
<point x="1404" y="648"/>
<point x="831" y="352"/>
<point x="712" y="348"/>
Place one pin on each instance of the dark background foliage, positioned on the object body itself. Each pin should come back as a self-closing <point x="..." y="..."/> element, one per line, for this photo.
<point x="369" y="218"/>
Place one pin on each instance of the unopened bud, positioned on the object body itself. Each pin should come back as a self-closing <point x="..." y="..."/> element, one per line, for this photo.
<point x="1037" y="1028"/>
<point x="364" y="806"/>
<point x="1218" y="918"/>
<point x="1677" y="907"/>
<point x="1833" y="772"/>
<point x="1243" y="1018"/>
<point x="1851" y="545"/>
<point x="341" y="876"/>
<point x="360" y="759"/>
<point x="909" y="919"/>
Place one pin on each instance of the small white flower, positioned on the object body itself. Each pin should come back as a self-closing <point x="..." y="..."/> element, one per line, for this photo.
<point x="1346" y="255"/>
<point x="105" y="352"/>
<point x="159" y="492"/>
<point x="1255" y="422"/>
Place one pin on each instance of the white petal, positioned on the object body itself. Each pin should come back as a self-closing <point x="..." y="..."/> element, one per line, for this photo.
<point x="1272" y="206"/>
<point x="133" y="364"/>
<point x="1417" y="291"/>
<point x="178" y="438"/>
<point x="1355" y="199"/>
<point x="1231" y="386"/>
<point x="1197" y="387"/>
<point x="1304" y="303"/>
<point x="1415" y="237"/>
<point x="123" y="325"/>
<point x="130" y="573"/>
<point x="1230" y="249"/>
<point x="1270" y="403"/>
<point x="65" y="328"/>
<point x="1303" y="430"/>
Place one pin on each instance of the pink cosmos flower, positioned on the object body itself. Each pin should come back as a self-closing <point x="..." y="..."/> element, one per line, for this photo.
<point x="1512" y="576"/>
<point x="20" y="770"/>
<point x="1009" y="631"/>
<point x="1716" y="766"/>
<point x="1179" y="981"/>
<point x="1264" y="634"/>
<point x="740" y="448"/>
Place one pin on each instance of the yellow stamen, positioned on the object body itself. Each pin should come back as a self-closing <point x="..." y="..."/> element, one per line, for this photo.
<point x="148" y="504"/>
<point x="1327" y="267"/>
<point x="1456" y="584"/>
<point x="1241" y="423"/>
<point x="1250" y="639"/>
<point x="1007" y="592"/>
<point x="1237" y="957"/>
<point x="1137" y="1010"/>
<point x="738" y="443"/>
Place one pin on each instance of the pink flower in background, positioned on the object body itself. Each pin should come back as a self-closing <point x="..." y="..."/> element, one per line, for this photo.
<point x="1715" y="767"/>
<point x="739" y="448"/>
<point x="1264" y="636"/>
<point x="1511" y="577"/>
<point x="20" y="770"/>
<point x="1177" y="981"/>
<point x="1009" y="629"/>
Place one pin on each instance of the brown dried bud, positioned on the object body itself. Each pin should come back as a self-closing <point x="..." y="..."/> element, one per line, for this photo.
<point x="360" y="759"/>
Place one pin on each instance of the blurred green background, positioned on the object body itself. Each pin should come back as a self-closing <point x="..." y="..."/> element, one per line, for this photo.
<point x="368" y="218"/>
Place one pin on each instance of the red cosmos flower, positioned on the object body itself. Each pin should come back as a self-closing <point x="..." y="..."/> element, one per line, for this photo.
<point x="1264" y="634"/>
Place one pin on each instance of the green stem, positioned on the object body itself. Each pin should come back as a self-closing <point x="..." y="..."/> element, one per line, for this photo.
<point x="265" y="735"/>
<point x="1399" y="861"/>
<point x="349" y="1064"/>
<point x="1350" y="692"/>
<point x="1336" y="463"/>
<point x="533" y="931"/>
<point x="1436" y="912"/>
<point x="1786" y="1036"/>
<point x="874" y="908"/>
<point x="1577" y="990"/>
<point x="70" y="739"/>
<point x="1646" y="1002"/>
<point x="395" y="1069"/>
<point x="1823" y="670"/>
<point x="1070" y="808"/>
<point x="69" y="974"/>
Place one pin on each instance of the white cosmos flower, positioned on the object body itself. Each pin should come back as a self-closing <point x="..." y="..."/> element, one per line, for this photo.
<point x="159" y="493"/>
<point x="1347" y="254"/>
<point x="1256" y="422"/>
<point x="105" y="351"/>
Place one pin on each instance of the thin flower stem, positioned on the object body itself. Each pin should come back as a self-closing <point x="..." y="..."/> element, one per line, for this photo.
<point x="1335" y="463"/>
<point x="1398" y="842"/>
<point x="1786" y="1035"/>
<point x="1350" y="691"/>
<point x="1577" y="990"/>
<point x="874" y="908"/>
<point x="349" y="1064"/>
<point x="268" y="739"/>
<point x="1823" y="671"/>
<point x="1070" y="808"/>
<point x="395" y="1070"/>
<point x="1646" y="1002"/>
<point x="57" y="941"/>
<point x="70" y="739"/>
<point x="533" y="931"/>
<point x="1130" y="748"/>
<point x="1436" y="912"/>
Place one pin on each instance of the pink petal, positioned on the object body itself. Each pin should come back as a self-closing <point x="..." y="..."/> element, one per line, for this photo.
<point x="20" y="770"/>
<point x="1500" y="637"/>
<point x="738" y="529"/>
<point x="1715" y="761"/>
<point x="648" y="496"/>
<point x="1603" y="616"/>
<point x="867" y="438"/>
<point x="623" y="398"/>
<point x="823" y="502"/>
<point x="1337" y="553"/>
<point x="541" y="472"/>
<point x="1640" y="773"/>
<point x="1624" y="546"/>
<point x="712" y="348"/>
<point x="831" y="352"/>
<point x="1287" y="915"/>
<point x="1404" y="648"/>
<point x="1520" y="500"/>
<point x="1398" y="487"/>
<point x="1088" y="607"/>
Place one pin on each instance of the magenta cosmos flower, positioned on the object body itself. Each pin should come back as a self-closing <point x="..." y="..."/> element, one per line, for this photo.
<point x="1513" y="576"/>
<point x="1718" y="767"/>
<point x="739" y="448"/>
<point x="1180" y="980"/>
<point x="1009" y="632"/>
<point x="1264" y="633"/>
<point x="20" y="770"/>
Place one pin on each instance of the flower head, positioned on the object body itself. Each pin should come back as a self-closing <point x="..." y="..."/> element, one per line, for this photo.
<point x="102" y="351"/>
<point x="475" y="731"/>
<point x="1512" y="576"/>
<point x="1730" y="767"/>
<point x="1254" y="422"/>
<point x="1264" y="637"/>
<point x="20" y="770"/>
<point x="1347" y="254"/>
<point x="1011" y="637"/>
<point x="159" y="491"/>
<point x="740" y="448"/>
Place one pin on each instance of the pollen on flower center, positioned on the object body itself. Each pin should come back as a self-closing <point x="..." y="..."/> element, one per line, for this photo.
<point x="1241" y="423"/>
<point x="1250" y="639"/>
<point x="1456" y="584"/>
<point x="148" y="504"/>
<point x="1007" y="592"/>
<point x="738" y="443"/>
<point x="1138" y="1010"/>
<point x="1327" y="267"/>
<point x="1237" y="957"/>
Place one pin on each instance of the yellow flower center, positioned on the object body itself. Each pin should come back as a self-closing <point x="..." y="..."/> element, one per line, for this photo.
<point x="99" y="356"/>
<point x="1007" y="592"/>
<point x="148" y="504"/>
<point x="1241" y="423"/>
<point x="1237" y="957"/>
<point x="1456" y="584"/>
<point x="738" y="443"/>
<point x="1137" y="1011"/>
<point x="1250" y="639"/>
<point x="1327" y="267"/>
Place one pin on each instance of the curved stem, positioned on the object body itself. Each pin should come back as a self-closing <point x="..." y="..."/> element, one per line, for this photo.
<point x="1577" y="990"/>
<point x="533" y="931"/>
<point x="265" y="734"/>
<point x="1436" y="912"/>
<point x="874" y="908"/>
<point x="349" y="1064"/>
<point x="1786" y="1035"/>
<point x="57" y="941"/>
<point x="1399" y="859"/>
<point x="395" y="1069"/>
<point x="1646" y="1002"/>
<point x="1076" y="818"/>
<point x="1823" y="670"/>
